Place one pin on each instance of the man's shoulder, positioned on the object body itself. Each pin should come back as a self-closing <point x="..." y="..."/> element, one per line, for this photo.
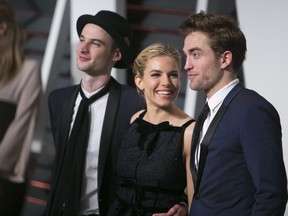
<point x="62" y="91"/>
<point x="130" y="99"/>
<point x="251" y="96"/>
<point x="126" y="89"/>
<point x="131" y="95"/>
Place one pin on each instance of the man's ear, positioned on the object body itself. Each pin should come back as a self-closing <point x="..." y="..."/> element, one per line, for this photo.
<point x="3" y="28"/>
<point x="117" y="55"/>
<point x="226" y="59"/>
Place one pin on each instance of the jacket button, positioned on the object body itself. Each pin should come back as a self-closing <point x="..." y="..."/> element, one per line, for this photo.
<point x="197" y="196"/>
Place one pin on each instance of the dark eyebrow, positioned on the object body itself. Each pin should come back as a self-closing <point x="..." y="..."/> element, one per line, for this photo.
<point x="92" y="39"/>
<point x="155" y="71"/>
<point x="194" y="49"/>
<point x="97" y="40"/>
<point x="159" y="71"/>
<point x="191" y="50"/>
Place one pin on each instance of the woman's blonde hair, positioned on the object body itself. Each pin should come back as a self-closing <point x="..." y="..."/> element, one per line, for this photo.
<point x="11" y="43"/>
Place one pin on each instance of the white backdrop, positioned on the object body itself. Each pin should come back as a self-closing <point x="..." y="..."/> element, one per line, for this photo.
<point x="264" y="22"/>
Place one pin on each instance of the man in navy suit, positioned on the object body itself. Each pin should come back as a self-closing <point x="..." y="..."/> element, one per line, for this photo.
<point x="237" y="162"/>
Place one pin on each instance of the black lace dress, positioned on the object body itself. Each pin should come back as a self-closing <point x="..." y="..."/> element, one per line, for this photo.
<point x="150" y="167"/>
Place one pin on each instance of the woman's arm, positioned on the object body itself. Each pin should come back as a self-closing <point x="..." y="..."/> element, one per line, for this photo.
<point x="187" y="149"/>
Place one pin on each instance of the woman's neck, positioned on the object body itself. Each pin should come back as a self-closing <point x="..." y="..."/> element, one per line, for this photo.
<point x="172" y="114"/>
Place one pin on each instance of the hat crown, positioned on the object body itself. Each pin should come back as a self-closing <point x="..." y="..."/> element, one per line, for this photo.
<point x="115" y="21"/>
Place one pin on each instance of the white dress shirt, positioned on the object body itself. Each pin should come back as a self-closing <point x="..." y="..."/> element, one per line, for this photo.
<point x="214" y="104"/>
<point x="89" y="193"/>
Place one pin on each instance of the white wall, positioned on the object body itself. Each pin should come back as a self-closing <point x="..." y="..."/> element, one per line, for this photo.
<point x="264" y="22"/>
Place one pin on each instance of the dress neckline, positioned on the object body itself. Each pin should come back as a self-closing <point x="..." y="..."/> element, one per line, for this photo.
<point x="186" y="124"/>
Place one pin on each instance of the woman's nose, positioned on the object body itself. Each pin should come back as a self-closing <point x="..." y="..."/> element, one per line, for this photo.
<point x="165" y="80"/>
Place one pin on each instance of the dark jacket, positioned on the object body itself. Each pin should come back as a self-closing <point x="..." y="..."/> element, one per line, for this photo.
<point x="122" y="103"/>
<point x="244" y="172"/>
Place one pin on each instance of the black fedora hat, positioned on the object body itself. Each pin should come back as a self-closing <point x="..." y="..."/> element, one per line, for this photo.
<point x="116" y="26"/>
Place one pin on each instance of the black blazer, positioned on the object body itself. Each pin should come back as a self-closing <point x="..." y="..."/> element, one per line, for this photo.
<point x="122" y="103"/>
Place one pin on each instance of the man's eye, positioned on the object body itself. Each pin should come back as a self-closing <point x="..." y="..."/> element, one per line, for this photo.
<point x="196" y="54"/>
<point x="96" y="44"/>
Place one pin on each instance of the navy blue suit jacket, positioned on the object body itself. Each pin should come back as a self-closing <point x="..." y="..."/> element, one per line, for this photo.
<point x="244" y="172"/>
<point x="123" y="102"/>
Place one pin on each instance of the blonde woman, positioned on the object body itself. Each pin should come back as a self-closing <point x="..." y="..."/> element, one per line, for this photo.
<point x="153" y="162"/>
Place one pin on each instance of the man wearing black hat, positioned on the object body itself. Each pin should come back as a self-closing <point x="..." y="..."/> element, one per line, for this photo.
<point x="89" y="119"/>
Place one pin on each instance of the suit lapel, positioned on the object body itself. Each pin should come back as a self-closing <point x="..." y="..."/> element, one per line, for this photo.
<point x="108" y="127"/>
<point x="67" y="112"/>
<point x="205" y="142"/>
<point x="209" y="134"/>
<point x="67" y="116"/>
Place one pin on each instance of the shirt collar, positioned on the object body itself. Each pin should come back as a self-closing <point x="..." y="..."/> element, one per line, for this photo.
<point x="90" y="94"/>
<point x="216" y="100"/>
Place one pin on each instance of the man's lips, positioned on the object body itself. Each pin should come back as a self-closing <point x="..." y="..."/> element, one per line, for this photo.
<point x="191" y="75"/>
<point x="83" y="58"/>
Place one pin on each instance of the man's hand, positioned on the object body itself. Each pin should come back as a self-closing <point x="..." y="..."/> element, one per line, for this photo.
<point x="176" y="210"/>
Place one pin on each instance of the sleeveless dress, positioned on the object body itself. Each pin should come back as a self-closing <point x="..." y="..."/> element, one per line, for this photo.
<point x="152" y="174"/>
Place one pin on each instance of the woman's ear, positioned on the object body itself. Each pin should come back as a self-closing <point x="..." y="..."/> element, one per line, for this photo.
<point x="3" y="28"/>
<point x="138" y="82"/>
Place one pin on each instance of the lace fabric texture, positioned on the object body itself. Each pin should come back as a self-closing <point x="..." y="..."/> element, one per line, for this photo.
<point x="150" y="168"/>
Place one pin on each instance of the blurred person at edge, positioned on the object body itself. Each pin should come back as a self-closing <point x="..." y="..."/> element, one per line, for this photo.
<point x="20" y="93"/>
<point x="237" y="166"/>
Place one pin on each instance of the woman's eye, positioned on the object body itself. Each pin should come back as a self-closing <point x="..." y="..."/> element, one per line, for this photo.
<point x="155" y="74"/>
<point x="174" y="75"/>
